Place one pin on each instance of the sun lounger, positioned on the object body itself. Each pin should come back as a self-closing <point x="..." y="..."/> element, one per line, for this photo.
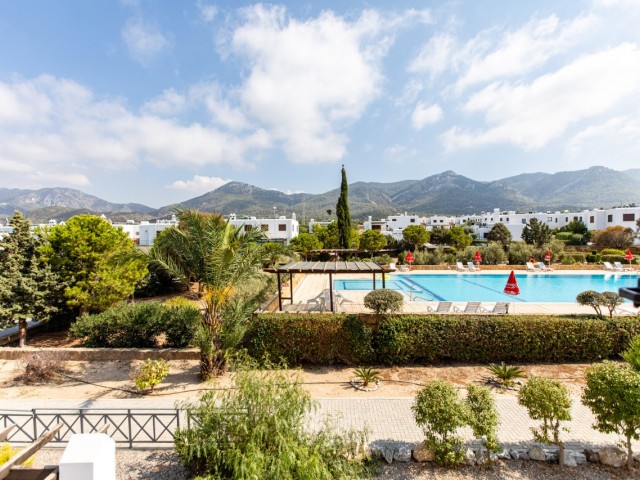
<point x="531" y="267"/>
<point x="472" y="267"/>
<point x="461" y="268"/>
<point x="470" y="307"/>
<point x="403" y="268"/>
<point x="499" y="307"/>
<point x="443" y="307"/>
<point x="608" y="266"/>
<point x="544" y="268"/>
<point x="621" y="268"/>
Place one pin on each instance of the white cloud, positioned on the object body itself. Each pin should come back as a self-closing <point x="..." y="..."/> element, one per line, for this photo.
<point x="309" y="80"/>
<point x="199" y="184"/>
<point x="145" y="42"/>
<point x="425" y="114"/>
<point x="207" y="11"/>
<point x="613" y="134"/>
<point x="436" y="56"/>
<point x="169" y="103"/>
<point x="531" y="115"/>
<point x="55" y="125"/>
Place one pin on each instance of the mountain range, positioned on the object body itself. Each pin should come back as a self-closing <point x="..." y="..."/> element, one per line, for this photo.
<point x="444" y="193"/>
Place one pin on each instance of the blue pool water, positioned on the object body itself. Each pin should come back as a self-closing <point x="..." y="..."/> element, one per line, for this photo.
<point x="489" y="288"/>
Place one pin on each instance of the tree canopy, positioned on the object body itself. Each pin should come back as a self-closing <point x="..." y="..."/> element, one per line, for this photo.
<point x="536" y="233"/>
<point x="415" y="235"/>
<point x="614" y="237"/>
<point x="501" y="234"/>
<point x="372" y="240"/>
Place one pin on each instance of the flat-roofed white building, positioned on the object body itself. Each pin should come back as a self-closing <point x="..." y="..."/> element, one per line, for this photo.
<point x="145" y="233"/>
<point x="281" y="229"/>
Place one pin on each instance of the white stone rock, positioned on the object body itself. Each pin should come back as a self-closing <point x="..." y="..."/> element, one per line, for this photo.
<point x="537" y="453"/>
<point x="423" y="454"/>
<point x="387" y="453"/>
<point x="402" y="453"/>
<point x="504" y="455"/>
<point x="569" y="459"/>
<point x="469" y="457"/>
<point x="579" y="457"/>
<point x="612" y="456"/>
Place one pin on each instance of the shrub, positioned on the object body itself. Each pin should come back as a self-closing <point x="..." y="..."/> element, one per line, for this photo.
<point x="591" y="298"/>
<point x="367" y="375"/>
<point x="483" y="418"/>
<point x="150" y="374"/>
<point x="42" y="367"/>
<point x="180" y="321"/>
<point x="547" y="400"/>
<point x="612" y="251"/>
<point x="384" y="301"/>
<point x="506" y="373"/>
<point x="611" y="300"/>
<point x="7" y="452"/>
<point x="613" y="395"/>
<point x="440" y="413"/>
<point x="257" y="429"/>
<point x="632" y="354"/>
<point x="519" y="253"/>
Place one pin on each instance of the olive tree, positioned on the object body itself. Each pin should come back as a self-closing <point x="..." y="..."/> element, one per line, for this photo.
<point x="613" y="395"/>
<point x="501" y="234"/>
<point x="547" y="400"/>
<point x="483" y="417"/>
<point x="591" y="298"/>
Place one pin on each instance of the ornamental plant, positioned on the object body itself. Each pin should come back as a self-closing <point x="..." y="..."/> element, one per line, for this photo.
<point x="483" y="418"/>
<point x="592" y="299"/>
<point x="613" y="395"/>
<point x="611" y="300"/>
<point x="547" y="400"/>
<point x="7" y="452"/>
<point x="384" y="301"/>
<point x="367" y="375"/>
<point x="632" y="354"/>
<point x="151" y="374"/>
<point x="440" y="412"/>
<point x="506" y="373"/>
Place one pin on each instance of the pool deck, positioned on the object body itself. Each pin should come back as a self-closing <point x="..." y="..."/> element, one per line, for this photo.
<point x="311" y="287"/>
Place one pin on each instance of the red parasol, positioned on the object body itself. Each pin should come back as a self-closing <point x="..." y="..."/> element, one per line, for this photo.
<point x="628" y="256"/>
<point x="547" y="256"/>
<point x="409" y="258"/>
<point x="511" y="288"/>
<point x="478" y="257"/>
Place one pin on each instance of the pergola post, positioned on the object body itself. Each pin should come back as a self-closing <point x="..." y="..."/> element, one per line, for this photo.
<point x="291" y="287"/>
<point x="374" y="281"/>
<point x="279" y="293"/>
<point x="331" y="291"/>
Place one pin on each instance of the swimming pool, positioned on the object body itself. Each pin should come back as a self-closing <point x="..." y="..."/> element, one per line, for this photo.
<point x="489" y="287"/>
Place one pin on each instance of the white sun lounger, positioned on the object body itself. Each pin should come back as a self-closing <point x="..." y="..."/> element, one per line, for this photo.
<point x="470" y="307"/>
<point x="443" y="307"/>
<point x="621" y="268"/>
<point x="472" y="267"/>
<point x="531" y="267"/>
<point x="461" y="268"/>
<point x="499" y="307"/>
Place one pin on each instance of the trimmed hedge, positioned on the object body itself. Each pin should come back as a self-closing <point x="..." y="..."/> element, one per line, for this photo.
<point x="402" y="339"/>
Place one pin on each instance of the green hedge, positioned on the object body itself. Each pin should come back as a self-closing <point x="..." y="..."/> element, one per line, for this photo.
<point x="402" y="339"/>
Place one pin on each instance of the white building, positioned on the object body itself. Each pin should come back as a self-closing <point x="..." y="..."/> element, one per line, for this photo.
<point x="145" y="233"/>
<point x="281" y="229"/>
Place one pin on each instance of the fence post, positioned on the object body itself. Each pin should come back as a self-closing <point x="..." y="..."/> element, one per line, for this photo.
<point x="81" y="420"/>
<point x="129" y="423"/>
<point x="34" y="417"/>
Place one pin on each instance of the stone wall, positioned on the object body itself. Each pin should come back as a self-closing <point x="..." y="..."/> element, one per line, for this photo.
<point x="101" y="354"/>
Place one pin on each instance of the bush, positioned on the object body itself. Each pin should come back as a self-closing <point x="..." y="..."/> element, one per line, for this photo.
<point x="483" y="418"/>
<point x="547" y="400"/>
<point x="7" y="452"/>
<point x="440" y="412"/>
<point x="613" y="395"/>
<point x="519" y="253"/>
<point x="384" y="301"/>
<point x="138" y="326"/>
<point x="612" y="251"/>
<point x="596" y="300"/>
<point x="632" y="354"/>
<point x="150" y="374"/>
<point x="402" y="339"/>
<point x="42" y="367"/>
<point x="257" y="429"/>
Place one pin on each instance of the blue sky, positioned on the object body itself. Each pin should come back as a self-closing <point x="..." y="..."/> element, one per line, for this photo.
<point x="160" y="101"/>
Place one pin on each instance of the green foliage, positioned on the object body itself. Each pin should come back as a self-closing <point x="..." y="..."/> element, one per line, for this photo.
<point x="311" y="338"/>
<point x="439" y="411"/>
<point x="591" y="298"/>
<point x="257" y="429"/>
<point x="536" y="233"/>
<point x="506" y="373"/>
<point x="458" y="238"/>
<point x="415" y="235"/>
<point x="617" y="237"/>
<point x="138" y="326"/>
<point x="305" y="242"/>
<point x="575" y="226"/>
<point x="492" y="254"/>
<point x="611" y="300"/>
<point x="367" y="375"/>
<point x="613" y="395"/>
<point x="612" y="252"/>
<point x="519" y="253"/>
<point x="371" y="241"/>
<point x="86" y="253"/>
<point x="342" y="213"/>
<point x="501" y="234"/>
<point x="150" y="374"/>
<point x="384" y="300"/>
<point x="329" y="238"/>
<point x="547" y="400"/>
<point x="632" y="354"/>
<point x="483" y="418"/>
<point x="28" y="288"/>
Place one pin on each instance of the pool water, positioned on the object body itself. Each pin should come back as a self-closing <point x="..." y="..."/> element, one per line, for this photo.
<point x="489" y="288"/>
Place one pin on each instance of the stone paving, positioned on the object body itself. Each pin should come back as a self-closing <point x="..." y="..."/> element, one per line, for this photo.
<point x="385" y="418"/>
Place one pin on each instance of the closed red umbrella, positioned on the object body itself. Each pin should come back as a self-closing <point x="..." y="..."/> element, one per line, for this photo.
<point x="409" y="258"/>
<point x="547" y="256"/>
<point x="511" y="288"/>
<point x="478" y="257"/>
<point x="628" y="256"/>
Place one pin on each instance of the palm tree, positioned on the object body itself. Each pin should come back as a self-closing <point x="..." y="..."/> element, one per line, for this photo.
<point x="207" y="252"/>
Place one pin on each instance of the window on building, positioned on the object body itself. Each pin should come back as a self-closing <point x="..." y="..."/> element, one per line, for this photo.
<point x="376" y="227"/>
<point x="413" y="220"/>
<point x="549" y="219"/>
<point x="609" y="218"/>
<point x="247" y="228"/>
<point x="566" y="219"/>
<point x="485" y="234"/>
<point x="556" y="219"/>
<point x="507" y="219"/>
<point x="592" y="219"/>
<point x="628" y="217"/>
<point x="282" y="227"/>
<point x="393" y="219"/>
<point x="524" y="221"/>
<point x="264" y="228"/>
<point x="575" y="219"/>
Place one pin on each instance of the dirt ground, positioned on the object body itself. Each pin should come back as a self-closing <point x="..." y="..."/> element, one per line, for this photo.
<point x="113" y="379"/>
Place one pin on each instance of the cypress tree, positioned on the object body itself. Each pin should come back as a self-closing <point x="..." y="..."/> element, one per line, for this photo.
<point x="342" y="212"/>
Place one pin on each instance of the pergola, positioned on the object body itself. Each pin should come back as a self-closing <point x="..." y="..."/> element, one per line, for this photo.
<point x="331" y="268"/>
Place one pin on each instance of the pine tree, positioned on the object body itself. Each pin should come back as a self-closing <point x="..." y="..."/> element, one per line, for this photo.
<point x="342" y="212"/>
<point x="27" y="285"/>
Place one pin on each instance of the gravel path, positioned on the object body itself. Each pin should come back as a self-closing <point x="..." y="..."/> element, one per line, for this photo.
<point x="163" y="465"/>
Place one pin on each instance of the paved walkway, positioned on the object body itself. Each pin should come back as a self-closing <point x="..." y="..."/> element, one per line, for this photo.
<point x="385" y="418"/>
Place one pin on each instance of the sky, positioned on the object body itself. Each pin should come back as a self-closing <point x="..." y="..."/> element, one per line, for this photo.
<point x="160" y="101"/>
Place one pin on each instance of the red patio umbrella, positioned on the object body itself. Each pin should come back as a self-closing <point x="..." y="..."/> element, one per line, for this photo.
<point x="478" y="257"/>
<point x="511" y="288"/>
<point x="409" y="258"/>
<point x="547" y="257"/>
<point x="628" y="256"/>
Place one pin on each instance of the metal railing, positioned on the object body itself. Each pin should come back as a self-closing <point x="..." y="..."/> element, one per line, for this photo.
<point x="134" y="427"/>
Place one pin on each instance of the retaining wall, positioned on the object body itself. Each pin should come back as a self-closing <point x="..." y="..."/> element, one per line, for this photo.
<point x="101" y="354"/>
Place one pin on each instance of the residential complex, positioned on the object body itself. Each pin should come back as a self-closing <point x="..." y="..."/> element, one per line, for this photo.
<point x="280" y="229"/>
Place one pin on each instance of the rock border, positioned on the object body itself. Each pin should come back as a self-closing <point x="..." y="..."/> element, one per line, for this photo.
<point x="358" y="385"/>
